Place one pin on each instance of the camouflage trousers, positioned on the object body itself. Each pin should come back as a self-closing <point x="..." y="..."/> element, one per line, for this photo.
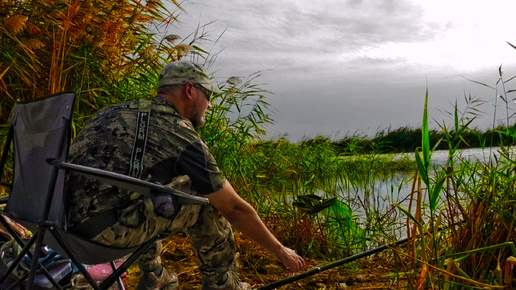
<point x="210" y="235"/>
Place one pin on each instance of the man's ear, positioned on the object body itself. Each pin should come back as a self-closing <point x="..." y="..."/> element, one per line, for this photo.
<point x="188" y="90"/>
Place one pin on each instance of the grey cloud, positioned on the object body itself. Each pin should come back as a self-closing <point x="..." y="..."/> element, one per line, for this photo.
<point x="323" y="60"/>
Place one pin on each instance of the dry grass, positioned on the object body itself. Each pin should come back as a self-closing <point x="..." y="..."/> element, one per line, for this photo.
<point x="260" y="268"/>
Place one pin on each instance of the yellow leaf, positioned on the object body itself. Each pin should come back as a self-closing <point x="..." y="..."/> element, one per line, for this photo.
<point x="4" y="72"/>
<point x="422" y="277"/>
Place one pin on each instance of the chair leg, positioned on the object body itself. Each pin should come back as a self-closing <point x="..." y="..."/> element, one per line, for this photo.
<point x="75" y="260"/>
<point x="18" y="259"/>
<point x="35" y="259"/>
<point x="119" y="281"/>
<point x="36" y="265"/>
<point x="120" y="270"/>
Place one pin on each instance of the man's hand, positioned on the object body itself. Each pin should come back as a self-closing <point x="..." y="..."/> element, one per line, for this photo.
<point x="292" y="261"/>
<point x="241" y="215"/>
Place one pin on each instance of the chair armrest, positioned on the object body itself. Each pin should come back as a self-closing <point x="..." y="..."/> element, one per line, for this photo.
<point x="127" y="182"/>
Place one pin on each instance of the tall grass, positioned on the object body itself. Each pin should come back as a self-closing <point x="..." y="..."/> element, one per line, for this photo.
<point x="462" y="222"/>
<point x="106" y="50"/>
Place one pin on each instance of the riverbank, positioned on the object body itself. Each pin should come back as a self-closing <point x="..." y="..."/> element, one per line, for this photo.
<point x="260" y="268"/>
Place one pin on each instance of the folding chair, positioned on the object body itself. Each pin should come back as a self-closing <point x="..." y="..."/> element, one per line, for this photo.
<point x="40" y="133"/>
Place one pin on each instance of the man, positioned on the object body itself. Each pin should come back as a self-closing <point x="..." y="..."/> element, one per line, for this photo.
<point x="156" y="140"/>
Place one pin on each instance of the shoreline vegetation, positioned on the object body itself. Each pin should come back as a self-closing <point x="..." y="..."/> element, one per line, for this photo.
<point x="408" y="139"/>
<point x="317" y="195"/>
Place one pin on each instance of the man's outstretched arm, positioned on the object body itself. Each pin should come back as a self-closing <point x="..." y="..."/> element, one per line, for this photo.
<point x="243" y="216"/>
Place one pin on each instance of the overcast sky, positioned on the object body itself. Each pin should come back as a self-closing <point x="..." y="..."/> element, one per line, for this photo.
<point x="343" y="67"/>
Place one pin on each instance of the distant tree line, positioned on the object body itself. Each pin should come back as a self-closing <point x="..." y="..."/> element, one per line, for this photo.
<point x="407" y="139"/>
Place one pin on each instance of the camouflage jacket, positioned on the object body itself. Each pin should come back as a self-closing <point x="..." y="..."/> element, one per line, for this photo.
<point x="112" y="140"/>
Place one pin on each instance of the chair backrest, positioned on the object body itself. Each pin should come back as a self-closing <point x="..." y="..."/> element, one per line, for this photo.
<point x="42" y="129"/>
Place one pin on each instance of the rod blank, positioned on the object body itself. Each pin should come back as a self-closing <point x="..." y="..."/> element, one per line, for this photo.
<point x="330" y="266"/>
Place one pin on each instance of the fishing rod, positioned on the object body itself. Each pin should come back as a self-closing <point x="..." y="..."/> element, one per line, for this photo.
<point x="341" y="262"/>
<point x="332" y="265"/>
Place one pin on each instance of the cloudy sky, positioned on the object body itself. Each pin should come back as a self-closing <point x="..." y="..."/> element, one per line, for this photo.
<point x="343" y="67"/>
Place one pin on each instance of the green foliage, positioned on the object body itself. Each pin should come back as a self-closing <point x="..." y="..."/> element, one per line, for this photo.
<point x="490" y="213"/>
<point x="301" y="185"/>
<point x="237" y="115"/>
<point x="235" y="121"/>
<point x="352" y="145"/>
<point x="338" y="223"/>
<point x="342" y="229"/>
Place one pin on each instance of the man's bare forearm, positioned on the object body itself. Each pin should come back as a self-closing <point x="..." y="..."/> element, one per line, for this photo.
<point x="246" y="220"/>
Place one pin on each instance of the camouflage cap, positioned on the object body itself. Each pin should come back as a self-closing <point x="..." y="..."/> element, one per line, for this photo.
<point x="183" y="72"/>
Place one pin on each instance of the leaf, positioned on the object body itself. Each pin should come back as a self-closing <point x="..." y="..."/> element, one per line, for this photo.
<point x="143" y="43"/>
<point x="422" y="277"/>
<point x="199" y="49"/>
<point x="479" y="83"/>
<point x="435" y="193"/>
<point x="4" y="72"/>
<point x="408" y="214"/>
<point x="422" y="169"/>
<point x="456" y="116"/>
<point x="425" y="134"/>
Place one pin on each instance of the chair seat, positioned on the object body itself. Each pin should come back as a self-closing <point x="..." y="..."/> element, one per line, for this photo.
<point x="88" y="252"/>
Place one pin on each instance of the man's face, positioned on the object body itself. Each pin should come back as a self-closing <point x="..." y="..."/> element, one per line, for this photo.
<point x="200" y="108"/>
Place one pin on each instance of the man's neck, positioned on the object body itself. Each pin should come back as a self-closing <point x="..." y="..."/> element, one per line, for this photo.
<point x="174" y="103"/>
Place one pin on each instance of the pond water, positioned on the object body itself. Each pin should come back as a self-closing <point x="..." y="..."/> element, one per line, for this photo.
<point x="440" y="157"/>
<point x="373" y="204"/>
<point x="402" y="181"/>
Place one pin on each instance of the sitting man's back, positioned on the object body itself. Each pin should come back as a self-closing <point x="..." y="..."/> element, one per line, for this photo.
<point x="156" y="140"/>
